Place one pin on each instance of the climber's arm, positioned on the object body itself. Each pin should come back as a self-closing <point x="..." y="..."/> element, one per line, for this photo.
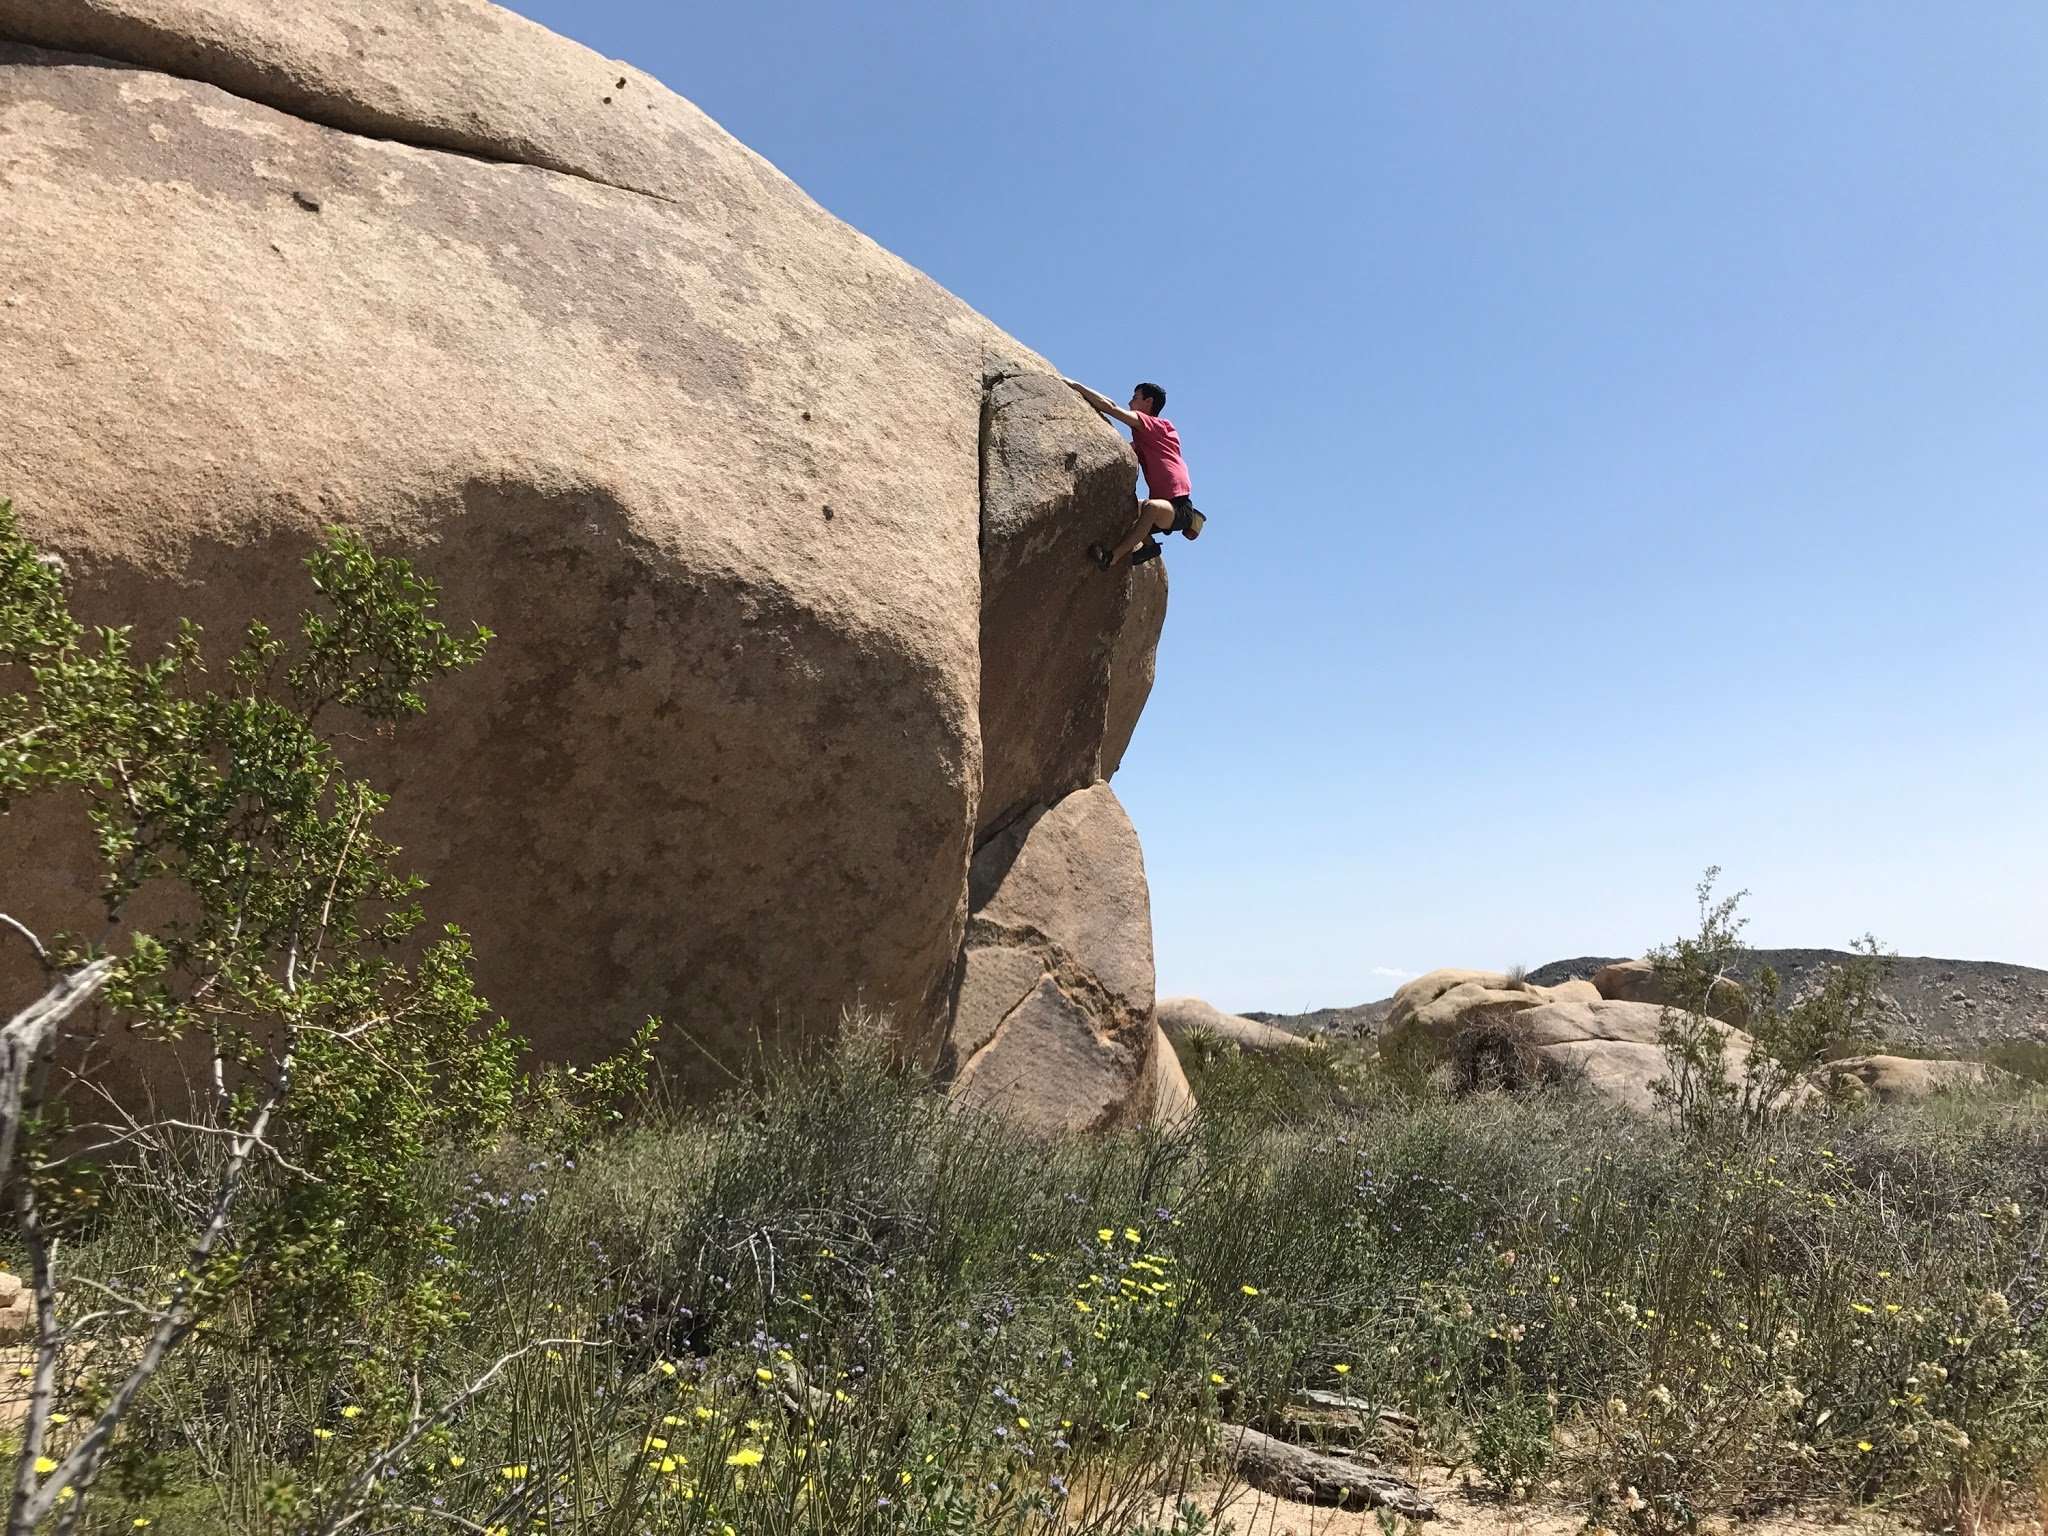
<point x="1102" y="403"/>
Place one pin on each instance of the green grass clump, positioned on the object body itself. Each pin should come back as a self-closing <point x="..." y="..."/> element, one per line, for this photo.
<point x="831" y="1303"/>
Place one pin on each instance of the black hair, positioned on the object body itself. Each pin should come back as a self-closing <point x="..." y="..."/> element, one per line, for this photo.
<point x="1158" y="396"/>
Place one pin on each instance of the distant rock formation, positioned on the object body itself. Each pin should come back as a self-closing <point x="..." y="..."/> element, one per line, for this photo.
<point x="1905" y="1079"/>
<point x="1498" y="1031"/>
<point x="1184" y="1018"/>
<point x="1931" y="1004"/>
<point x="1926" y="1002"/>
<point x="783" y="543"/>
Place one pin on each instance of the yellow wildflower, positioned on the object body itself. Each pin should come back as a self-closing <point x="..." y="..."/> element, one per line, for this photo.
<point x="745" y="1456"/>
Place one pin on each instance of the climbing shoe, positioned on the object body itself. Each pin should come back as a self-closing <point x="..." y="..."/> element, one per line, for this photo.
<point x="1099" y="553"/>
<point x="1149" y="550"/>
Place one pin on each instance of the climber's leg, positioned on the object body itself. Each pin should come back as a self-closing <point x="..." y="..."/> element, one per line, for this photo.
<point x="1153" y="517"/>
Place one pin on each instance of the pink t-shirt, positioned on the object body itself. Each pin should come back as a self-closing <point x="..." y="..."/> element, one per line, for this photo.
<point x="1158" y="449"/>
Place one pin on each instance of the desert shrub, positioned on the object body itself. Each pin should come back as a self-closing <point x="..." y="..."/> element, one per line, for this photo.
<point x="291" y="1184"/>
<point x="2025" y="1059"/>
<point x="1277" y="1088"/>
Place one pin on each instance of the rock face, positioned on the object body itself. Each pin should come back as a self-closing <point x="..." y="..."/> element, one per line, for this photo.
<point x="1492" y="1034"/>
<point x="17" y="1307"/>
<point x="1905" y="1079"/>
<point x="1053" y="626"/>
<point x="1173" y="1101"/>
<point x="761" y="515"/>
<point x="1053" y="1017"/>
<point x="1438" y="1006"/>
<point x="1133" y="667"/>
<point x="1638" y="981"/>
<point x="1181" y="1017"/>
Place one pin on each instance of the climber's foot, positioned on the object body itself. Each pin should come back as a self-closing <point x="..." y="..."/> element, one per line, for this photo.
<point x="1099" y="553"/>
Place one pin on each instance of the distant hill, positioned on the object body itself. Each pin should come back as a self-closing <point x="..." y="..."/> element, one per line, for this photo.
<point x="1949" y="1005"/>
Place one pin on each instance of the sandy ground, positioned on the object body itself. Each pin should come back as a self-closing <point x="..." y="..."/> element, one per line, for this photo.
<point x="1469" y="1511"/>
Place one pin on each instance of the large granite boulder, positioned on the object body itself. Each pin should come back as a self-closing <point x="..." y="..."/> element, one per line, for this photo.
<point x="1053" y="1013"/>
<point x="1640" y="981"/>
<point x="1185" y="1018"/>
<point x="709" y="461"/>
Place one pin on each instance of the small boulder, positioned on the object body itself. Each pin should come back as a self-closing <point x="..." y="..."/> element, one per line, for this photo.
<point x="17" y="1307"/>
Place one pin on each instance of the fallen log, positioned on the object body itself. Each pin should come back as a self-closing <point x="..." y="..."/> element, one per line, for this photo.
<point x="1310" y="1477"/>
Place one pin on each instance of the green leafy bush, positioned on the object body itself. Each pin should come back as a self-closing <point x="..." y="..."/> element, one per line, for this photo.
<point x="336" y="1063"/>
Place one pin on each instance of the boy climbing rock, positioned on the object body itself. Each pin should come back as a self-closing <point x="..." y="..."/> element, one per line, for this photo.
<point x="1169" y="509"/>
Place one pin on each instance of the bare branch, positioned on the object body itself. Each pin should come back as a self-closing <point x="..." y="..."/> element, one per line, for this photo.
<point x="344" y="1516"/>
<point x="34" y="943"/>
<point x="26" y="1039"/>
<point x="82" y="1466"/>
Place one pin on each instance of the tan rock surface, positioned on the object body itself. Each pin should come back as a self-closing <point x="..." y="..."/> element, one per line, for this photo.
<point x="1134" y="665"/>
<point x="1906" y="1079"/>
<point x="708" y="460"/>
<point x="1439" y="1005"/>
<point x="17" y="1308"/>
<point x="1074" y="1048"/>
<point x="1055" y="479"/>
<point x="446" y="74"/>
<point x="1638" y="981"/>
<point x="1173" y="1100"/>
<point x="1614" y="1048"/>
<point x="1413" y="996"/>
<point x="1181" y="1017"/>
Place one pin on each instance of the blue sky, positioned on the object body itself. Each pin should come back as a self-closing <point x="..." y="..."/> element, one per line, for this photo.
<point x="1624" y="429"/>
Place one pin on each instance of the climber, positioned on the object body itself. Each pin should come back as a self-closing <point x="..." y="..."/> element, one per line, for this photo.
<point x="1169" y="509"/>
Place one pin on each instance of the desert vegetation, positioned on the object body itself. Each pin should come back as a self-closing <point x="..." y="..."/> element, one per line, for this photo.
<point x="372" y="1275"/>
